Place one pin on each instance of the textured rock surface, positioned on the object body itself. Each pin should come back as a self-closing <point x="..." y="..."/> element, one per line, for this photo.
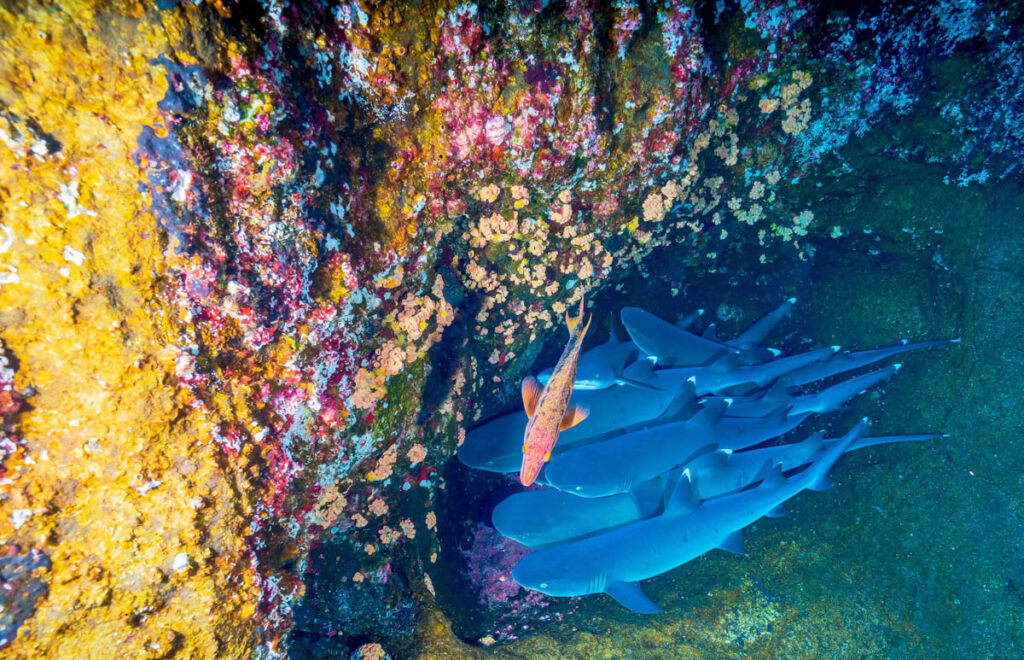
<point x="261" y="265"/>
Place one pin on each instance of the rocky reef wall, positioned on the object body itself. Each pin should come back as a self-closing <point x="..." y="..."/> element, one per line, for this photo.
<point x="261" y="264"/>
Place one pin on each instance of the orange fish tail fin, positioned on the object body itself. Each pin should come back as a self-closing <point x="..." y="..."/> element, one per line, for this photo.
<point x="573" y="321"/>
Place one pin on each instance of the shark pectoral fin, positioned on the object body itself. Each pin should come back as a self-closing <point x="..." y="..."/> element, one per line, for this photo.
<point x="632" y="597"/>
<point x="778" y="512"/>
<point x="683" y="500"/>
<point x="573" y="416"/>
<point x="531" y="392"/>
<point x="733" y="543"/>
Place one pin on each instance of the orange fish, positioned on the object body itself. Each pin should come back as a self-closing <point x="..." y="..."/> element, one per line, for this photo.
<point x="548" y="408"/>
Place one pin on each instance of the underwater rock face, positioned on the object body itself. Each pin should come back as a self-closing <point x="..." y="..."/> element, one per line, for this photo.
<point x="262" y="265"/>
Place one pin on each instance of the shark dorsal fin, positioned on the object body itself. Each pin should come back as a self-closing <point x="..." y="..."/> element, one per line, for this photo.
<point x="727" y="362"/>
<point x="815" y="442"/>
<point x="777" y="392"/>
<point x="683" y="500"/>
<point x="574" y="414"/>
<point x="683" y="405"/>
<point x="779" y="413"/>
<point x="632" y="597"/>
<point x="710" y="332"/>
<point x="613" y="333"/>
<point x="531" y="392"/>
<point x="733" y="543"/>
<point x="686" y="321"/>
<point x="711" y="412"/>
<point x="772" y="476"/>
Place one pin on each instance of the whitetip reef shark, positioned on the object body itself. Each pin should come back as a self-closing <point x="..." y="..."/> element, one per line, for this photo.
<point x="620" y="462"/>
<point x="538" y="518"/>
<point x="614" y="562"/>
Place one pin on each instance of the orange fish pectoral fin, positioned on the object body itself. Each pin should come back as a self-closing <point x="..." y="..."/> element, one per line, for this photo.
<point x="531" y="392"/>
<point x="547" y="457"/>
<point x="573" y="416"/>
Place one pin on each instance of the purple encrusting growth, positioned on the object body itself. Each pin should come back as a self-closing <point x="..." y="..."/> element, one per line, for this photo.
<point x="488" y="567"/>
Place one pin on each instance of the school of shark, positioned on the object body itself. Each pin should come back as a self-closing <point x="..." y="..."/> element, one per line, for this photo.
<point x="650" y="451"/>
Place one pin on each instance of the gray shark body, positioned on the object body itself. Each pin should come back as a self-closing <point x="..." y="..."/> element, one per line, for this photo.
<point x="827" y="400"/>
<point x="618" y="463"/>
<point x="726" y="372"/>
<point x="497" y="445"/>
<point x="672" y="345"/>
<point x="548" y="516"/>
<point x="848" y="360"/>
<point x="616" y="561"/>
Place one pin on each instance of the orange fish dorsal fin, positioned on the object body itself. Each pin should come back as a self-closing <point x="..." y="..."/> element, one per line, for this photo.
<point x="573" y="416"/>
<point x="573" y="321"/>
<point x="531" y="392"/>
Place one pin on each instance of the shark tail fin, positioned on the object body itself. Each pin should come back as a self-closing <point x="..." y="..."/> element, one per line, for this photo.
<point x="573" y="321"/>
<point x="862" y="442"/>
<point x="613" y="334"/>
<point x="632" y="597"/>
